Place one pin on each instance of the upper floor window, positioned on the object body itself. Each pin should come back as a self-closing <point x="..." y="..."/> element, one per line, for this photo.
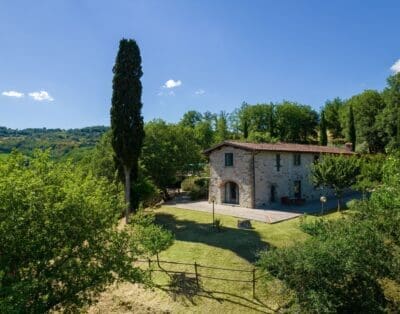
<point x="297" y="159"/>
<point x="228" y="159"/>
<point x="278" y="162"/>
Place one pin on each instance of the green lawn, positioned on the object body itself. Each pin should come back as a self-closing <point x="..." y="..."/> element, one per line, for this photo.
<point x="197" y="241"/>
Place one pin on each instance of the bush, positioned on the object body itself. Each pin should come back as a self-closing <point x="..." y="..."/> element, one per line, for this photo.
<point x="196" y="186"/>
<point x="59" y="242"/>
<point x="336" y="271"/>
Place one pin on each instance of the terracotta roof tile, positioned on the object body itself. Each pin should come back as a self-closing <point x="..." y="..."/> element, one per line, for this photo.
<point x="282" y="147"/>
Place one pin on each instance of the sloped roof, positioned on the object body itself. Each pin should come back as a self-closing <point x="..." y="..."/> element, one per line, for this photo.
<point x="282" y="147"/>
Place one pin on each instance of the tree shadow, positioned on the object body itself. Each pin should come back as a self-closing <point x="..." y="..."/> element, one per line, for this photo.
<point x="246" y="243"/>
<point x="220" y="297"/>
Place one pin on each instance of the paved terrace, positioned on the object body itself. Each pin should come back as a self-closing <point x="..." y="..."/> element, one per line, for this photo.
<point x="274" y="214"/>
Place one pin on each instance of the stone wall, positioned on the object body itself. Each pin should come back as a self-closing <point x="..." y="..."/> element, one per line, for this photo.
<point x="240" y="173"/>
<point x="266" y="175"/>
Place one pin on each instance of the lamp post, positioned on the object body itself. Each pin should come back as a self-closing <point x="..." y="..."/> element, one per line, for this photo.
<point x="323" y="201"/>
<point x="213" y="209"/>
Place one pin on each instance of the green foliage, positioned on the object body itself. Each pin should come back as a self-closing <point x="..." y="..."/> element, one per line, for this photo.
<point x="170" y="151"/>
<point x="126" y="120"/>
<point x="367" y="106"/>
<point x="371" y="171"/>
<point x="152" y="239"/>
<point x="332" y="110"/>
<point x="59" y="244"/>
<point x="196" y="186"/>
<point x="295" y="123"/>
<point x="351" y="135"/>
<point x="218" y="225"/>
<point x="73" y="143"/>
<point x="222" y="132"/>
<point x="323" y="136"/>
<point x="336" y="271"/>
<point x="344" y="265"/>
<point x="337" y="173"/>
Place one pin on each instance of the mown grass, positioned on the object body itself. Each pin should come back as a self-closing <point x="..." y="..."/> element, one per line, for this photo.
<point x="196" y="241"/>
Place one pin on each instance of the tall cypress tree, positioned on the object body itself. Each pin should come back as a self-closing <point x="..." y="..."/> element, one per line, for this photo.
<point x="126" y="119"/>
<point x="351" y="128"/>
<point x="323" y="136"/>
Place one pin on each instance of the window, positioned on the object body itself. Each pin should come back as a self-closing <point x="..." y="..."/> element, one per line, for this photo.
<point x="297" y="159"/>
<point x="316" y="158"/>
<point x="228" y="159"/>
<point x="278" y="162"/>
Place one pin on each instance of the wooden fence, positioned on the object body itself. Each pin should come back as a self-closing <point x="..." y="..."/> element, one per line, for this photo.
<point x="252" y="278"/>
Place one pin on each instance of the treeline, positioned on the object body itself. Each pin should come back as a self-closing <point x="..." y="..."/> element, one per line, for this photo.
<point x="62" y="142"/>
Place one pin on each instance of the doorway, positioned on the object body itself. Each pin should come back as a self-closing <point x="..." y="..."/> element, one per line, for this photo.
<point x="231" y="193"/>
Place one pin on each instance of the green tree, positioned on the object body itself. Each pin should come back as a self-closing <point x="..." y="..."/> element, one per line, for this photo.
<point x="126" y="118"/>
<point x="323" y="136"/>
<point x="389" y="118"/>
<point x="366" y="107"/>
<point x="59" y="243"/>
<point x="337" y="173"/>
<point x="222" y="132"/>
<point x="332" y="110"/>
<point x="351" y="136"/>
<point x="295" y="123"/>
<point x="191" y="118"/>
<point x="337" y="270"/>
<point x="169" y="151"/>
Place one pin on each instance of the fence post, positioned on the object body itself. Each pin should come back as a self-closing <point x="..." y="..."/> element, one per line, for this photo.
<point x="149" y="260"/>
<point x="254" y="282"/>
<point x="197" y="276"/>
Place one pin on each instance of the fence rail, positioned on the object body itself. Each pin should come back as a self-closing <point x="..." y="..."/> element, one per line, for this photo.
<point x="197" y="274"/>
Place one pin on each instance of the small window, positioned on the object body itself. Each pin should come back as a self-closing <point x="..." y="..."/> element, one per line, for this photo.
<point x="228" y="159"/>
<point x="297" y="159"/>
<point x="278" y="162"/>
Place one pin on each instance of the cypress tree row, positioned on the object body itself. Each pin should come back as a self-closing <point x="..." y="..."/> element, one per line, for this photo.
<point x="126" y="119"/>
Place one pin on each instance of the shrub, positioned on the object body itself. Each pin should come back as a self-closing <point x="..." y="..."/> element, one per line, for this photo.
<point x="59" y="242"/>
<point x="196" y="186"/>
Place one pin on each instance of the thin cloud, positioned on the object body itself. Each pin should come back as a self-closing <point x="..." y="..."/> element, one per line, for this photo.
<point x="396" y="67"/>
<point x="12" y="93"/>
<point x="200" y="92"/>
<point x="172" y="83"/>
<point x="41" y="96"/>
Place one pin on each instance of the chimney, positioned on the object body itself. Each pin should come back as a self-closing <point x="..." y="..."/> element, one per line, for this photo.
<point x="348" y="147"/>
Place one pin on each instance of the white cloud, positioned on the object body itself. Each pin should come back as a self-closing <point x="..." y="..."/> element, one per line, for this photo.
<point x="396" y="67"/>
<point x="41" y="95"/>
<point x="200" y="92"/>
<point x="172" y="83"/>
<point x="12" y="93"/>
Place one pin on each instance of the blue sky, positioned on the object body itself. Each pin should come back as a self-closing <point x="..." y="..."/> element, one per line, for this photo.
<point x="56" y="57"/>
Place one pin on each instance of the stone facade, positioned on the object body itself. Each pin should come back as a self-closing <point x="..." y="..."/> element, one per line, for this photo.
<point x="259" y="181"/>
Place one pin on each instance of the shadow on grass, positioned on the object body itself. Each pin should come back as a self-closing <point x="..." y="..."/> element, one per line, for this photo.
<point x="246" y="243"/>
<point x="219" y="296"/>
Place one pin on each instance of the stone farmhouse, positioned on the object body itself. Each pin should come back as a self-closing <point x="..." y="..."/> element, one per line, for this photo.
<point x="258" y="175"/>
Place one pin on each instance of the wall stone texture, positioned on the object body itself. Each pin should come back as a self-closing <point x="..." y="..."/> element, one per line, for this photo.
<point x="266" y="175"/>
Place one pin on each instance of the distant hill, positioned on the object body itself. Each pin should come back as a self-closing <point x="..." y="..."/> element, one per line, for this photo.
<point x="62" y="142"/>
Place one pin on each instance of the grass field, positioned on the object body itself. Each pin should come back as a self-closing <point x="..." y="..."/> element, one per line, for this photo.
<point x="197" y="241"/>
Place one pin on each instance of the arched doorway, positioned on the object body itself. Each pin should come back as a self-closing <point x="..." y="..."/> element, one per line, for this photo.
<point x="231" y="193"/>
